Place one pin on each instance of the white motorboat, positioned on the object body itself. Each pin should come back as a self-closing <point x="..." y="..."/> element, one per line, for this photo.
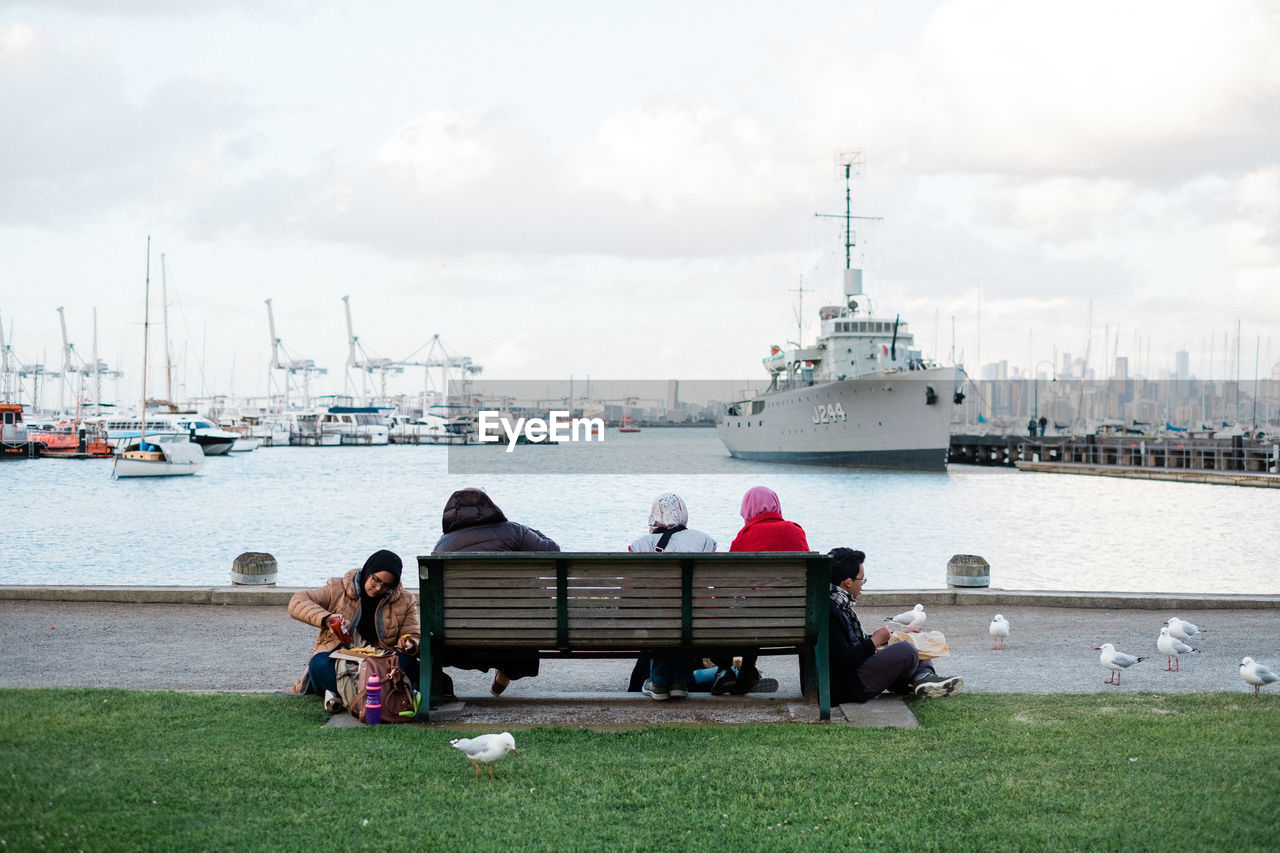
<point x="357" y="424"/>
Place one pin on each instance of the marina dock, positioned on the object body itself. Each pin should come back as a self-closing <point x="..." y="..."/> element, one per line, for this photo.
<point x="1235" y="460"/>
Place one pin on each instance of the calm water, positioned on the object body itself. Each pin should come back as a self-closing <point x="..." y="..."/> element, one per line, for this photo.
<point x="321" y="511"/>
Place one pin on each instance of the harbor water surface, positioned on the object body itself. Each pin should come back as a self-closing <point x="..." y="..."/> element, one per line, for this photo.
<point x="321" y="511"/>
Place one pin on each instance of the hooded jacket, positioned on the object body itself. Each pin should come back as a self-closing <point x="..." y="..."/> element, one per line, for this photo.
<point x="395" y="615"/>
<point x="769" y="531"/>
<point x="473" y="522"/>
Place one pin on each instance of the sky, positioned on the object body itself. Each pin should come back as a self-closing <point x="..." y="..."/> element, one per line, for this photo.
<point x="629" y="190"/>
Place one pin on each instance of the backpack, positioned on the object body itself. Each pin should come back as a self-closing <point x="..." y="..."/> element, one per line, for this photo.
<point x="399" y="699"/>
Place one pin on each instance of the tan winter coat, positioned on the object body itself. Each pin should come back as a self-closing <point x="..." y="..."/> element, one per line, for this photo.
<point x="397" y="615"/>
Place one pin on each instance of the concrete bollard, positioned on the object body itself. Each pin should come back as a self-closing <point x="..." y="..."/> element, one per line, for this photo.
<point x="968" y="571"/>
<point x="253" y="568"/>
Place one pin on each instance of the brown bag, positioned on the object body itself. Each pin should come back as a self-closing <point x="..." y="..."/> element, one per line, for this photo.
<point x="930" y="644"/>
<point x="399" y="699"/>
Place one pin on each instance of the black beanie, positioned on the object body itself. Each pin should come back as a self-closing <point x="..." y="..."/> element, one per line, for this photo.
<point x="382" y="561"/>
<point x="845" y="563"/>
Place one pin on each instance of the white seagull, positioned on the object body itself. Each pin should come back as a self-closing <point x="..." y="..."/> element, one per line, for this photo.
<point x="1171" y="647"/>
<point x="1115" y="661"/>
<point x="1256" y="674"/>
<point x="485" y="749"/>
<point x="1181" y="629"/>
<point x="999" y="630"/>
<point x="914" y="616"/>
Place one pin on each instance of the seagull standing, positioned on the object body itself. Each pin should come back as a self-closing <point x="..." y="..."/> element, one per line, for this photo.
<point x="914" y="616"/>
<point x="485" y="749"/>
<point x="999" y="630"/>
<point x="1172" y="647"/>
<point x="1115" y="661"/>
<point x="1256" y="674"/>
<point x="1181" y="629"/>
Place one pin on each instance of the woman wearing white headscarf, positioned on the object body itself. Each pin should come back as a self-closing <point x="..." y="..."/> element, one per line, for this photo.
<point x="668" y="518"/>
<point x="670" y="675"/>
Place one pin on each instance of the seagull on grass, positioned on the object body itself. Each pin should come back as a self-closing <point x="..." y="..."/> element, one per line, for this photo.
<point x="1172" y="647"/>
<point x="1256" y="674"/>
<point x="999" y="631"/>
<point x="485" y="749"/>
<point x="1115" y="661"/>
<point x="914" y="616"/>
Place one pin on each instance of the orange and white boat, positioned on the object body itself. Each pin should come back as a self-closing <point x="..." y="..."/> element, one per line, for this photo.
<point x="71" y="439"/>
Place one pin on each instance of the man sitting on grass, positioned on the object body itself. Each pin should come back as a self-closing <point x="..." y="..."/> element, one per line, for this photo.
<point x="862" y="666"/>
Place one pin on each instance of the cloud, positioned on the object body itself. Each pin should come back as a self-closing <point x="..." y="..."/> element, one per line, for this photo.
<point x="1142" y="91"/>
<point x="77" y="146"/>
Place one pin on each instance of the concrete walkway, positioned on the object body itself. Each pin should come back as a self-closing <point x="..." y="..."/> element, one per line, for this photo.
<point x="242" y="639"/>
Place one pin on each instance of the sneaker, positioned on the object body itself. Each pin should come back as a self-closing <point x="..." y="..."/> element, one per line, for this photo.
<point x="653" y="691"/>
<point x="678" y="690"/>
<point x="936" y="686"/>
<point x="766" y="685"/>
<point x="725" y="681"/>
<point x="332" y="703"/>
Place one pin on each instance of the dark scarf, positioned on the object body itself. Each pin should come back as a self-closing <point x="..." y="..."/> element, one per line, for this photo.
<point x="667" y="533"/>
<point x="844" y="603"/>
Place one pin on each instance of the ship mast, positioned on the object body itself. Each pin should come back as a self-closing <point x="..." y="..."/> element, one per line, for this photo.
<point x="851" y="163"/>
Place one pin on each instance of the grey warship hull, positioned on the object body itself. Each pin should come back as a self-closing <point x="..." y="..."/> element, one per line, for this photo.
<point x="899" y="419"/>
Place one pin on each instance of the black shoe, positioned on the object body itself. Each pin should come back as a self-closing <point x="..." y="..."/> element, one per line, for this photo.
<point x="725" y="682"/>
<point x="746" y="684"/>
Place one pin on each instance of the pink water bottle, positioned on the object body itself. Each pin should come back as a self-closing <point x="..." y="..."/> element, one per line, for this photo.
<point x="373" y="700"/>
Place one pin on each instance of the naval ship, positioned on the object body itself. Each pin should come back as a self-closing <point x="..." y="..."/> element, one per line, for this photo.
<point x="862" y="395"/>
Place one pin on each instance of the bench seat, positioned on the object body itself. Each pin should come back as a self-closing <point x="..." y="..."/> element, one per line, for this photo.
<point x="561" y="604"/>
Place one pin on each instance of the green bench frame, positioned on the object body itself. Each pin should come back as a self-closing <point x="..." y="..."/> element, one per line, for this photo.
<point x="625" y="605"/>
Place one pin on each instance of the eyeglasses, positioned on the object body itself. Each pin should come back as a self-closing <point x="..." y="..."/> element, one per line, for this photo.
<point x="374" y="579"/>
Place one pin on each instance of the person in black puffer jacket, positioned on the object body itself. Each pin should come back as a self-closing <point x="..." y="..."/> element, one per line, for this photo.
<point x="473" y="522"/>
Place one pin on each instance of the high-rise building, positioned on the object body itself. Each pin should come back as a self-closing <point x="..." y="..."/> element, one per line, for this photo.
<point x="1182" y="364"/>
<point x="1122" y="368"/>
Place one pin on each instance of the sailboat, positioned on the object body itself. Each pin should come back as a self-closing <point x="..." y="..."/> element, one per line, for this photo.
<point x="155" y="455"/>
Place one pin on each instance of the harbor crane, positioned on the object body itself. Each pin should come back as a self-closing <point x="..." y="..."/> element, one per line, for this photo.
<point x="75" y="364"/>
<point x="15" y="370"/>
<point x="437" y="356"/>
<point x="358" y="359"/>
<point x="292" y="367"/>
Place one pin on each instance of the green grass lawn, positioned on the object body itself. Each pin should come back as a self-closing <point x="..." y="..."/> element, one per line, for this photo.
<point x="113" y="769"/>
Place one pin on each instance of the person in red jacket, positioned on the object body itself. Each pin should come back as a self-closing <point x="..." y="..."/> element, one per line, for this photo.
<point x="765" y="530"/>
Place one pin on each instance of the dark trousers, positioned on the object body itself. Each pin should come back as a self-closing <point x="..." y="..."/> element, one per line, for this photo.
<point x="892" y="669"/>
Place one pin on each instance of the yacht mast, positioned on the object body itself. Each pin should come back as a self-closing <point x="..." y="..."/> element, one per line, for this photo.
<point x="146" y="322"/>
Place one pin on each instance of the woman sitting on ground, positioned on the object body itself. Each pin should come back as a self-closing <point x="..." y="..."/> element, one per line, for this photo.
<point x="369" y="605"/>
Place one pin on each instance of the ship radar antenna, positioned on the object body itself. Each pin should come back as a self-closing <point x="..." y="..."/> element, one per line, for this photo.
<point x="850" y="163"/>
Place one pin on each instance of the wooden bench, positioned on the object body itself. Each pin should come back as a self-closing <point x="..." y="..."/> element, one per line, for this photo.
<point x="625" y="605"/>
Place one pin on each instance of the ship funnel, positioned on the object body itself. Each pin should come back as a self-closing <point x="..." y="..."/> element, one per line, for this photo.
<point x="852" y="282"/>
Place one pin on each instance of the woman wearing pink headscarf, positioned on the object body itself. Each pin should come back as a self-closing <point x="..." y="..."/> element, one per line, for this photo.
<point x="765" y="530"/>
